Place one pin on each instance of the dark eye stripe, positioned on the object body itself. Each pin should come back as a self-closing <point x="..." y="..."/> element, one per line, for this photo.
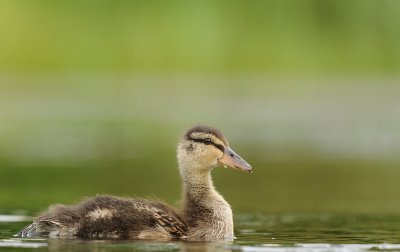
<point x="206" y="142"/>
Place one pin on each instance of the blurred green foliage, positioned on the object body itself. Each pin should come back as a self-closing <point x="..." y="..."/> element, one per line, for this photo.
<point x="94" y="95"/>
<point x="316" y="146"/>
<point x="201" y="36"/>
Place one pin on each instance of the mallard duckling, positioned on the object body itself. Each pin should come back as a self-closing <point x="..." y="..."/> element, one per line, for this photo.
<point x="205" y="214"/>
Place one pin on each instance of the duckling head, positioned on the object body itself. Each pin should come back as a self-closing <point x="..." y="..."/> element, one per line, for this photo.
<point x="203" y="148"/>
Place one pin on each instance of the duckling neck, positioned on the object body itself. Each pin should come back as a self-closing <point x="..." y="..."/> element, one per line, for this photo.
<point x="198" y="184"/>
<point x="206" y="213"/>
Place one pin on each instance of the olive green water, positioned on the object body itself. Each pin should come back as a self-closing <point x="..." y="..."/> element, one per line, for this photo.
<point x="254" y="232"/>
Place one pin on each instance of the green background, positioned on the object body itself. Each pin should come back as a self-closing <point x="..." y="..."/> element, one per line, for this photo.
<point x="94" y="96"/>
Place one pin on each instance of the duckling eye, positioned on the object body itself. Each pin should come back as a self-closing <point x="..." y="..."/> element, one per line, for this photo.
<point x="207" y="140"/>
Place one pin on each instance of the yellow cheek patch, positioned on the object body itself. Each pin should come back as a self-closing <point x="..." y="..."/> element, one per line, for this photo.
<point x="217" y="141"/>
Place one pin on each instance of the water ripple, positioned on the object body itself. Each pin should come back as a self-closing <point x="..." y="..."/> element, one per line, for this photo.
<point x="14" y="218"/>
<point x="15" y="243"/>
<point x="321" y="247"/>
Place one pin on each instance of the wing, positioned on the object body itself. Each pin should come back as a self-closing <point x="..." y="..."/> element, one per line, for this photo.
<point x="174" y="226"/>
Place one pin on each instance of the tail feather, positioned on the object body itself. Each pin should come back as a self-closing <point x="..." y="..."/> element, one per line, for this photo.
<point x="39" y="229"/>
<point x="24" y="232"/>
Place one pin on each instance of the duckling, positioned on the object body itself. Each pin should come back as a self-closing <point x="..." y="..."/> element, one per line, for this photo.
<point x="205" y="214"/>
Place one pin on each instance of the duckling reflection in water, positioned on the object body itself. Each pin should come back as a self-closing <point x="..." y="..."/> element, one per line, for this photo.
<point x="205" y="214"/>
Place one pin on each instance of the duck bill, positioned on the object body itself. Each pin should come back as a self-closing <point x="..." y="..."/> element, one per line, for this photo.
<point x="233" y="160"/>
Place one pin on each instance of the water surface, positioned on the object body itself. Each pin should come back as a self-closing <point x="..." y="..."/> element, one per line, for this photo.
<point x="254" y="232"/>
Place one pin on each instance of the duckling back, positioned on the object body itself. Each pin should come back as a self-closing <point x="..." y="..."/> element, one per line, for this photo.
<point x="107" y="217"/>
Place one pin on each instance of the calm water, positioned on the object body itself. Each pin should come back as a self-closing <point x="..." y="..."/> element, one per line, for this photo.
<point x="255" y="232"/>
